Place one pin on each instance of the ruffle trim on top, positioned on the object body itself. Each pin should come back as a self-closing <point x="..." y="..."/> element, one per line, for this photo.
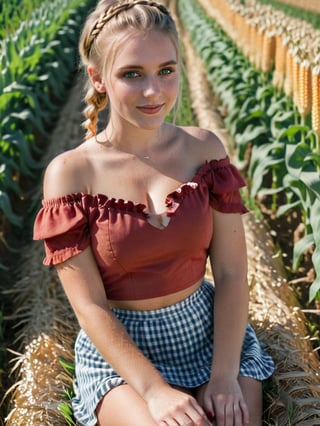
<point x="82" y="201"/>
<point x="223" y="181"/>
<point x="175" y="198"/>
<point x="220" y="176"/>
<point x="103" y="201"/>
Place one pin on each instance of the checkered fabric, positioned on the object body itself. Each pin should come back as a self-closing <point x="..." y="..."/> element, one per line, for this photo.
<point x="176" y="339"/>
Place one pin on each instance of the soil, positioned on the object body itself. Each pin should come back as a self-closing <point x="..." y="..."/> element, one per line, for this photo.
<point x="285" y="231"/>
<point x="312" y="5"/>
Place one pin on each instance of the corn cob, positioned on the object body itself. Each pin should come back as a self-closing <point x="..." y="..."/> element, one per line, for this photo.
<point x="288" y="83"/>
<point x="295" y="77"/>
<point x="316" y="100"/>
<point x="247" y="41"/>
<point x="268" y="51"/>
<point x="253" y="40"/>
<point x="304" y="88"/>
<point x="280" y="62"/>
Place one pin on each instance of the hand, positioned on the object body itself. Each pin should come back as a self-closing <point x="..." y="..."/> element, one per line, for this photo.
<point x="222" y="399"/>
<point x="171" y="407"/>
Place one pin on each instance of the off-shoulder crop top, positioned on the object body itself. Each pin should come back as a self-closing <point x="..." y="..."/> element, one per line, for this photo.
<point x="137" y="260"/>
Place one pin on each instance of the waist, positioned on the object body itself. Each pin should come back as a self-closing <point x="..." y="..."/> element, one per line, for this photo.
<point x="156" y="302"/>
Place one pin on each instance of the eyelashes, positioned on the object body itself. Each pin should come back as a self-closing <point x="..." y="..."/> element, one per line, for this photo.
<point x="136" y="74"/>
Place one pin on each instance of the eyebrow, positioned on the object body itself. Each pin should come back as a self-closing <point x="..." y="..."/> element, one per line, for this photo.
<point x="138" y="67"/>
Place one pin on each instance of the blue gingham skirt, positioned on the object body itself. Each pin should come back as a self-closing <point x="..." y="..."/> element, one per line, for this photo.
<point x="177" y="339"/>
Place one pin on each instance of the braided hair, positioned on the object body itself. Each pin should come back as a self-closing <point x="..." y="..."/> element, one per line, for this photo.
<point x="107" y="20"/>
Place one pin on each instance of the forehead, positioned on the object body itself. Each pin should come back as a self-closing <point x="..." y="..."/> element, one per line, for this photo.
<point x="145" y="49"/>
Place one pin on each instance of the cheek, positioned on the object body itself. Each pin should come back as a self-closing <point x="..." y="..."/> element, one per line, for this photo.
<point x="173" y="87"/>
<point x="124" y="91"/>
<point x="119" y="94"/>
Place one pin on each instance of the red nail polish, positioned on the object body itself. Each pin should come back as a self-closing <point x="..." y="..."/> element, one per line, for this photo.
<point x="210" y="415"/>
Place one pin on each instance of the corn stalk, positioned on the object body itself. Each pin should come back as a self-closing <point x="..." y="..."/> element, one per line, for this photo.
<point x="45" y="326"/>
<point x="274" y="310"/>
<point x="277" y="152"/>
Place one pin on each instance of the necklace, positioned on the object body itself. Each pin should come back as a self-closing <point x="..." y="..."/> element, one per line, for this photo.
<point x="107" y="142"/>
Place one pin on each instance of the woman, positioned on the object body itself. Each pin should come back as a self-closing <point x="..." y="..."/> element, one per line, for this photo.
<point x="129" y="218"/>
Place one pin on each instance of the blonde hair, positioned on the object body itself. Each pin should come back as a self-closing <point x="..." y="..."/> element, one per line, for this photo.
<point x="107" y="20"/>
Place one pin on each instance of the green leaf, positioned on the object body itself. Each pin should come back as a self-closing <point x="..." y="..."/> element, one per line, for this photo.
<point x="67" y="413"/>
<point x="285" y="208"/>
<point x="315" y="224"/>
<point x="292" y="132"/>
<point x="5" y="206"/>
<point x="250" y="134"/>
<point x="294" y="156"/>
<point x="315" y="287"/>
<point x="68" y="365"/>
<point x="299" y="248"/>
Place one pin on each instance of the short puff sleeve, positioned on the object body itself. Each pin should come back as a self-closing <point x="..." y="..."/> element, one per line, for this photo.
<point x="63" y="225"/>
<point x="224" y="182"/>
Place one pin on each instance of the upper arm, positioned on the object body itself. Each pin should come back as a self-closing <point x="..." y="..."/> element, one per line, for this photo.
<point x="82" y="283"/>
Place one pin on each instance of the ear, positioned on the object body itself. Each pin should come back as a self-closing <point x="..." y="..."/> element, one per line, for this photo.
<point x="96" y="80"/>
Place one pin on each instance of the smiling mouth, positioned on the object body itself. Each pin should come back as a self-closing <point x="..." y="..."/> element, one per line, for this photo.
<point x="150" y="109"/>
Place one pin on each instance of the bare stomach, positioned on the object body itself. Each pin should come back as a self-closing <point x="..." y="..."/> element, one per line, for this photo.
<point x="157" y="302"/>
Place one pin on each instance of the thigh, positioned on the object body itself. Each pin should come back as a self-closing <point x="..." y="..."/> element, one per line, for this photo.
<point x="252" y="393"/>
<point x="122" y="406"/>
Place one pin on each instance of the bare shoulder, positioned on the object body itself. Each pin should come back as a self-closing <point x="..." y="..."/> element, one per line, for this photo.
<point x="65" y="174"/>
<point x="204" y="143"/>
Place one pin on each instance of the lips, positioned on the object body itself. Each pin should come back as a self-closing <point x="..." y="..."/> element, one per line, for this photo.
<point x="150" y="109"/>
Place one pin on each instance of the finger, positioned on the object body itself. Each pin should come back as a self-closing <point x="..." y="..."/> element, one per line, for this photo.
<point x="220" y="415"/>
<point x="229" y="414"/>
<point x="198" y="415"/>
<point x="237" y="412"/>
<point x="169" y="422"/>
<point x="245" y="412"/>
<point x="186" y="421"/>
<point x="209" y="409"/>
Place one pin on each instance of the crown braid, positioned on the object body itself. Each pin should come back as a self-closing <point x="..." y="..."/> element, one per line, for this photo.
<point x="114" y="10"/>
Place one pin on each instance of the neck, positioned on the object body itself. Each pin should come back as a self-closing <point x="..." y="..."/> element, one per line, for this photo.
<point x="140" y="143"/>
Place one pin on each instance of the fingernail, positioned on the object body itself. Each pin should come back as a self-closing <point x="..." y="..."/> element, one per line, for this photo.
<point x="209" y="415"/>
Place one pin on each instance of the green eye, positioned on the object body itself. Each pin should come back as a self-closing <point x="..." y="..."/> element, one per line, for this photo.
<point x="131" y="74"/>
<point x="166" y="71"/>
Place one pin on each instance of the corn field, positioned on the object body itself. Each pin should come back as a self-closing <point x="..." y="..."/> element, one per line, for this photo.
<point x="252" y="75"/>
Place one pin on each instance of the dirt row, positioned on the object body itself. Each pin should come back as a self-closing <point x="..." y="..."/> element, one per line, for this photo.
<point x="312" y="5"/>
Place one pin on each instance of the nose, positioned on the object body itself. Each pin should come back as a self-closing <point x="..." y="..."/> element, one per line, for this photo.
<point x="151" y="86"/>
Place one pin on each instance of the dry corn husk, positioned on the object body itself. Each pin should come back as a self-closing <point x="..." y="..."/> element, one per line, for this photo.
<point x="274" y="311"/>
<point x="45" y="324"/>
<point x="46" y="329"/>
<point x="39" y="391"/>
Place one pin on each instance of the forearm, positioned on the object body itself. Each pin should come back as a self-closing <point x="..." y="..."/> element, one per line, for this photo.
<point x="118" y="349"/>
<point x="230" y="319"/>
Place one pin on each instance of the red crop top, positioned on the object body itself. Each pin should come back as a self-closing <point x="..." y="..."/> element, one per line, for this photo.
<point x="137" y="260"/>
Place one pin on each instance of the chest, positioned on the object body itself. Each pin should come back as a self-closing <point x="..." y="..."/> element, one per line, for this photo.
<point x="140" y="181"/>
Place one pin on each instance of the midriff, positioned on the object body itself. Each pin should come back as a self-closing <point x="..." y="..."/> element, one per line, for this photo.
<point x="156" y="302"/>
